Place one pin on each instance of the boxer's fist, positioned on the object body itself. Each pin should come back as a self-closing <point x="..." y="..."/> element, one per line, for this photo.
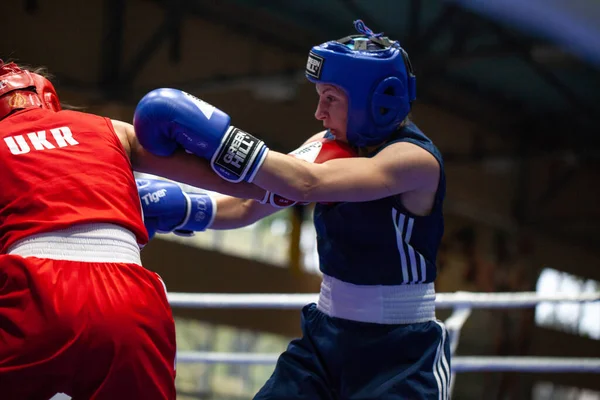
<point x="322" y="150"/>
<point x="318" y="152"/>
<point x="166" y="119"/>
<point x="167" y="208"/>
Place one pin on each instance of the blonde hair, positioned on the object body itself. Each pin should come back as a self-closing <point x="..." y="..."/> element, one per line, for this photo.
<point x="404" y="122"/>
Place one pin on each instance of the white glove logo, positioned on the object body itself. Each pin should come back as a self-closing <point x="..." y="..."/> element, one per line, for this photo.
<point x="154" y="197"/>
<point x="142" y="183"/>
<point x="203" y="106"/>
<point x="308" y="152"/>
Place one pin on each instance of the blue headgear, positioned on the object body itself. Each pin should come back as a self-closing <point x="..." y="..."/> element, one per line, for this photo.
<point x="376" y="75"/>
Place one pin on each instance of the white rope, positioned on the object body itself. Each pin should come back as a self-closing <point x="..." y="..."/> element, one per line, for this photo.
<point x="459" y="363"/>
<point x="192" y="357"/>
<point x="443" y="300"/>
<point x="526" y="364"/>
<point x="454" y="324"/>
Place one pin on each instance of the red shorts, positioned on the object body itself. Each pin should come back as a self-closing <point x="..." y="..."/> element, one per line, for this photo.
<point x="89" y="330"/>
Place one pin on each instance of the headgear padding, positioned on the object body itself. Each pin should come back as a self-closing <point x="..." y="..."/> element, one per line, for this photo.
<point x="375" y="74"/>
<point x="20" y="89"/>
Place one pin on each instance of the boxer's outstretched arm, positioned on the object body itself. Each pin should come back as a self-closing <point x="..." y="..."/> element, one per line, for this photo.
<point x="167" y="119"/>
<point x="181" y="167"/>
<point x="399" y="168"/>
<point x="236" y="213"/>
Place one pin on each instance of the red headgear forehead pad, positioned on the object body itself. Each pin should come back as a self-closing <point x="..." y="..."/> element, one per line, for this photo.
<point x="22" y="89"/>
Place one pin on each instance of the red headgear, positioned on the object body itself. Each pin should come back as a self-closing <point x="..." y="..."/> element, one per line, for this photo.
<point x="22" y="89"/>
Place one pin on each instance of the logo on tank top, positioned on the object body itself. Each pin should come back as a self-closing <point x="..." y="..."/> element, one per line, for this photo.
<point x="41" y="140"/>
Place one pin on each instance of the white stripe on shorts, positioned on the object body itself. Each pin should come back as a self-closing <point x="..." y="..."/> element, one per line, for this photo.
<point x="441" y="368"/>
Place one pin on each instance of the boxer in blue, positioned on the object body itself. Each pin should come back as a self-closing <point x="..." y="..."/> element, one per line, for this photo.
<point x="373" y="333"/>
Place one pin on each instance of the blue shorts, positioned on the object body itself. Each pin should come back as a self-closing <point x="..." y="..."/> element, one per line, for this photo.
<point x="342" y="359"/>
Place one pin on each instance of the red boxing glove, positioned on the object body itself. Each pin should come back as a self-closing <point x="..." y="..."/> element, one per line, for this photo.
<point x="316" y="152"/>
<point x="323" y="150"/>
<point x="278" y="201"/>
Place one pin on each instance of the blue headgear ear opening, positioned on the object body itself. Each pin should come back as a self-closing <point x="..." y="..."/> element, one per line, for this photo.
<point x="391" y="100"/>
<point x="388" y="101"/>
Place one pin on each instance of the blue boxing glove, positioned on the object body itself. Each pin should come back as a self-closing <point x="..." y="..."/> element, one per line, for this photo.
<point x="166" y="119"/>
<point x="167" y="208"/>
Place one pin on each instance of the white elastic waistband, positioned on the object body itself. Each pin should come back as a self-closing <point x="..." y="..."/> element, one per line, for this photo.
<point x="380" y="304"/>
<point x="87" y="243"/>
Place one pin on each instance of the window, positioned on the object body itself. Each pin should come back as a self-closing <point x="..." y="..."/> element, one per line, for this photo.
<point x="580" y="318"/>
<point x="550" y="391"/>
<point x="223" y="381"/>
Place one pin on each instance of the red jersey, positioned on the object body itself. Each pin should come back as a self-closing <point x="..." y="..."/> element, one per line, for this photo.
<point x="58" y="169"/>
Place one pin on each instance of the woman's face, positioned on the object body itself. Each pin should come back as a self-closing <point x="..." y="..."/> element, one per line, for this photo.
<point x="332" y="109"/>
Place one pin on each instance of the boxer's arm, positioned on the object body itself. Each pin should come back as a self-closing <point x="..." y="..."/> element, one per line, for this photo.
<point x="236" y="213"/>
<point x="399" y="168"/>
<point x="181" y="167"/>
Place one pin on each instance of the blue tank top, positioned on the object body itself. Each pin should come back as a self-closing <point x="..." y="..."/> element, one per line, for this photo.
<point x="380" y="242"/>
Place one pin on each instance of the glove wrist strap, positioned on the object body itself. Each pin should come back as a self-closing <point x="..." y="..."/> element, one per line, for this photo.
<point x="238" y="155"/>
<point x="188" y="212"/>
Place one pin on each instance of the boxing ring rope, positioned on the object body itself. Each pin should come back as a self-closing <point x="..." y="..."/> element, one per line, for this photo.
<point x="459" y="363"/>
<point x="443" y="300"/>
<point x="461" y="302"/>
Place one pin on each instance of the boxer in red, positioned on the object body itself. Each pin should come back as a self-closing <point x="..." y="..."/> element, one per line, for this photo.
<point x="79" y="314"/>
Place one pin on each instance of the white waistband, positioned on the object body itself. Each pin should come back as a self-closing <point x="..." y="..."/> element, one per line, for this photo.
<point x="380" y="304"/>
<point x="87" y="243"/>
